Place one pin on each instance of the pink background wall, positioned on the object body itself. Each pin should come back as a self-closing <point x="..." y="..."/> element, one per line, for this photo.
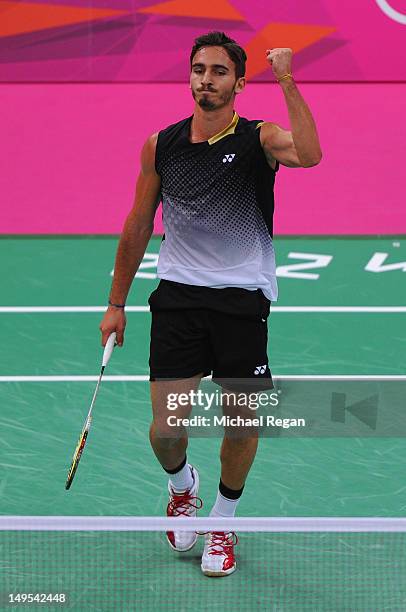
<point x="75" y="107"/>
<point x="70" y="155"/>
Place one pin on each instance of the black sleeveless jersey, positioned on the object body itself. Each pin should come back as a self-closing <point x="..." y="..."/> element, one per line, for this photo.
<point x="218" y="205"/>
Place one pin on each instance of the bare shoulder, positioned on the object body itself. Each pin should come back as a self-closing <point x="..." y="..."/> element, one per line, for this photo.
<point x="152" y="139"/>
<point x="148" y="153"/>
<point x="278" y="144"/>
<point x="147" y="191"/>
<point x="271" y="133"/>
<point x="268" y="135"/>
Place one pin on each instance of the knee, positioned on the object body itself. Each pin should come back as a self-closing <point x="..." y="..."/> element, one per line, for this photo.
<point x="167" y="436"/>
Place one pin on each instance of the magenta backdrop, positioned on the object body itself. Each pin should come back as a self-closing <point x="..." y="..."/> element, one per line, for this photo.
<point x="122" y="40"/>
<point x="70" y="155"/>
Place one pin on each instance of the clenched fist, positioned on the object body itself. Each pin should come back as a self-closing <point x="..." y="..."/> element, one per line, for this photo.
<point x="280" y="60"/>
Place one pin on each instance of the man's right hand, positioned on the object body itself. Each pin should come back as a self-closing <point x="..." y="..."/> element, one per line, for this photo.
<point x="114" y="320"/>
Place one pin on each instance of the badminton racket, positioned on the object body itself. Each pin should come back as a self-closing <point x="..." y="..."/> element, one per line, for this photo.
<point x="108" y="349"/>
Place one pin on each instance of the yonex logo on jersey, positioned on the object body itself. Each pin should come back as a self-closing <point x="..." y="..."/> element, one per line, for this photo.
<point x="260" y="370"/>
<point x="228" y="158"/>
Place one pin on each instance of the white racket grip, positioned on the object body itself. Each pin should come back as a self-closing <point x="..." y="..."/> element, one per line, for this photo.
<point x="108" y="349"/>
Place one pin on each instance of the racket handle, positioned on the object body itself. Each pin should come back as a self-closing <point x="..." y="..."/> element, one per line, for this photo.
<point x="108" y="349"/>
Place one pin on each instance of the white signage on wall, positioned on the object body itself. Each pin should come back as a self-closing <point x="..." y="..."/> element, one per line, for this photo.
<point x="391" y="12"/>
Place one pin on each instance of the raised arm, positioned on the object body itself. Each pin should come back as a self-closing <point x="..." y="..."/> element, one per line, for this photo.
<point x="300" y="147"/>
<point x="133" y="242"/>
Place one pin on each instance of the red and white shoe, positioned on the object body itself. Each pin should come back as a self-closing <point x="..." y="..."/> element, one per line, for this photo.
<point x="183" y="504"/>
<point x="218" y="556"/>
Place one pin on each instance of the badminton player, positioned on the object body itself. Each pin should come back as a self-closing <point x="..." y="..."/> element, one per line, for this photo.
<point x="214" y="172"/>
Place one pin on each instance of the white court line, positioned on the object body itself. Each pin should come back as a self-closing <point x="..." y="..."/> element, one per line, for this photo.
<point x="73" y="378"/>
<point x="144" y="378"/>
<point x="343" y="309"/>
<point x="338" y="308"/>
<point x="46" y="309"/>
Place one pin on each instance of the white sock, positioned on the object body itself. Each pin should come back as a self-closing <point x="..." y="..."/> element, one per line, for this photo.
<point x="224" y="506"/>
<point x="182" y="480"/>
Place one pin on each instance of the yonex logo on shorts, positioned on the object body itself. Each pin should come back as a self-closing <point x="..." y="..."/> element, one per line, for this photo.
<point x="260" y="370"/>
<point x="228" y="158"/>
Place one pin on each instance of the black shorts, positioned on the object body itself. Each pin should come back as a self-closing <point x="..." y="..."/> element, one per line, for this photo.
<point x="219" y="331"/>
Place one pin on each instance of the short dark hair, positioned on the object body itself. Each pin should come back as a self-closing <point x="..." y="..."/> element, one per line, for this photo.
<point x="218" y="39"/>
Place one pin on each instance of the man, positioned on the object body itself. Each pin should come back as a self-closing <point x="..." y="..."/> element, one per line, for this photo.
<point x="215" y="173"/>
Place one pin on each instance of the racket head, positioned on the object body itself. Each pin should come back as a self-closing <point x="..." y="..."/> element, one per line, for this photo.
<point x="76" y="458"/>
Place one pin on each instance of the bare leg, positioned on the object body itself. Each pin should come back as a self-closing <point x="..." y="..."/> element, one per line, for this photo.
<point x="169" y="443"/>
<point x="237" y="456"/>
<point x="238" y="449"/>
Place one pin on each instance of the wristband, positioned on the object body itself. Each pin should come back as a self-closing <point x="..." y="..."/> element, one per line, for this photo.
<point x="288" y="75"/>
<point x="116" y="305"/>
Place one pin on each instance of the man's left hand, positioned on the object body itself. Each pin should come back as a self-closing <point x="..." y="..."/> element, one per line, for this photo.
<point x="280" y="60"/>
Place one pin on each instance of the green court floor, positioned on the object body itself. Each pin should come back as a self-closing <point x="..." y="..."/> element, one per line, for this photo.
<point x="118" y="474"/>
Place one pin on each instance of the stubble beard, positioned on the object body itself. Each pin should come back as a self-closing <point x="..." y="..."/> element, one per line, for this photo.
<point x="208" y="104"/>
